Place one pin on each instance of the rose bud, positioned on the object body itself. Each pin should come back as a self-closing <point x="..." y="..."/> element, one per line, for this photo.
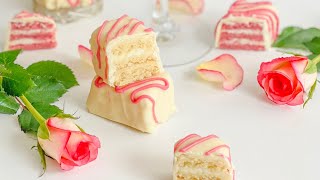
<point x="68" y="145"/>
<point x="285" y="81"/>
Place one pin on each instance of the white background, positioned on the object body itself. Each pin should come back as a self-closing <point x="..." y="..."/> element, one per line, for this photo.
<point x="268" y="141"/>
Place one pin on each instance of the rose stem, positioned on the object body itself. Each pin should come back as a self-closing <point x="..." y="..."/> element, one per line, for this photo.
<point x="32" y="110"/>
<point x="45" y="134"/>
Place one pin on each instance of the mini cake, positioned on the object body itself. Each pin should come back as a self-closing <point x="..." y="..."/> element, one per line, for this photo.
<point x="125" y="51"/>
<point x="193" y="7"/>
<point x="142" y="105"/>
<point x="31" y="31"/>
<point x="248" y="26"/>
<point x="63" y="4"/>
<point x="205" y="158"/>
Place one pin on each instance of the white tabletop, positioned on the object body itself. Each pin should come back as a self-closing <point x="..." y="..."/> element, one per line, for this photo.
<point x="267" y="141"/>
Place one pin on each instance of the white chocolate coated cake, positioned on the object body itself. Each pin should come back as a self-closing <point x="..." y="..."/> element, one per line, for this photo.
<point x="142" y="105"/>
<point x="63" y="4"/>
<point x="202" y="158"/>
<point x="125" y="51"/>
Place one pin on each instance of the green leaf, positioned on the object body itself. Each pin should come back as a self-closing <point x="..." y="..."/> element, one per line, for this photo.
<point x="8" y="105"/>
<point x="295" y="38"/>
<point x="56" y="70"/>
<point x="310" y="94"/>
<point x="313" y="45"/>
<point x="286" y="32"/>
<point x="17" y="82"/>
<point x="8" y="57"/>
<point x="47" y="90"/>
<point x="43" y="158"/>
<point x="3" y="69"/>
<point x="29" y="124"/>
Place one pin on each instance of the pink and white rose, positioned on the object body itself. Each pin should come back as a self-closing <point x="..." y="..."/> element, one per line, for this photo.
<point x="285" y="81"/>
<point x="68" y="145"/>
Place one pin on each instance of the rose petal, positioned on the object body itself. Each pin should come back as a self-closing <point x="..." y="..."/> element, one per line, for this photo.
<point x="225" y="69"/>
<point x="55" y="146"/>
<point x="65" y="166"/>
<point x="86" y="54"/>
<point x="65" y="124"/>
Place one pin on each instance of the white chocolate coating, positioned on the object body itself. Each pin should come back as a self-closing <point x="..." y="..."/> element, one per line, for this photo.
<point x="61" y="4"/>
<point x="119" y="107"/>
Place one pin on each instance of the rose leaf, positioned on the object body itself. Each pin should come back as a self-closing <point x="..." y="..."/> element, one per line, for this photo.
<point x="56" y="70"/>
<point x="8" y="105"/>
<point x="314" y="45"/>
<point x="8" y="57"/>
<point x="17" y="81"/>
<point x="47" y="90"/>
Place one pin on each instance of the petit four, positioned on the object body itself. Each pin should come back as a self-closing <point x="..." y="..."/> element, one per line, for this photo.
<point x="248" y="26"/>
<point x="224" y="69"/>
<point x="31" y="31"/>
<point x="61" y="4"/>
<point x="142" y="105"/>
<point x="193" y="7"/>
<point x="202" y="158"/>
<point x="125" y="51"/>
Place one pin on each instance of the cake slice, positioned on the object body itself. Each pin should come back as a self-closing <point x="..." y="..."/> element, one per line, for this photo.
<point x="202" y="158"/>
<point x="125" y="51"/>
<point x="142" y="105"/>
<point x="63" y="4"/>
<point x="248" y="26"/>
<point x="30" y="31"/>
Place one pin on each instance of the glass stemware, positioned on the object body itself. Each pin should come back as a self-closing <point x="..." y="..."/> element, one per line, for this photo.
<point x="183" y="42"/>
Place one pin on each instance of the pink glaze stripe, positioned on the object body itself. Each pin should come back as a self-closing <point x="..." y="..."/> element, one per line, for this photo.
<point x="180" y="142"/>
<point x="136" y="100"/>
<point x="197" y="142"/>
<point x="98" y="42"/>
<point x="99" y="82"/>
<point x="74" y="4"/>
<point x="215" y="149"/>
<point x="109" y="37"/>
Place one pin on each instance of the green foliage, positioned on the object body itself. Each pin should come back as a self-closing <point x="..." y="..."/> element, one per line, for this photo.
<point x="60" y="72"/>
<point x="42" y="158"/>
<point x="46" y="90"/>
<point x="8" y="105"/>
<point x="27" y="121"/>
<point x="8" y="57"/>
<point x="17" y="81"/>
<point x="294" y="37"/>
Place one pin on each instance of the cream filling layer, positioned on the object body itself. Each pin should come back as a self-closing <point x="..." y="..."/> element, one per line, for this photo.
<point x="29" y="41"/>
<point x="243" y="42"/>
<point x="202" y="172"/>
<point x="32" y="31"/>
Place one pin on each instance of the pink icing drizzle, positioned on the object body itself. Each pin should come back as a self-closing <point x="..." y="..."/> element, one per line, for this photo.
<point x="136" y="100"/>
<point x="195" y="143"/>
<point x="74" y="4"/>
<point x="98" y="42"/>
<point x="109" y="36"/>
<point x="179" y="143"/>
<point x="99" y="82"/>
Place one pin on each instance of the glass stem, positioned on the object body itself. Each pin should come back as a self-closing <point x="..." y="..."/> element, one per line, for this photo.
<point x="160" y="11"/>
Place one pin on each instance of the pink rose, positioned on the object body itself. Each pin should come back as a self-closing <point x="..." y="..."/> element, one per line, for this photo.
<point x="284" y="80"/>
<point x="68" y="145"/>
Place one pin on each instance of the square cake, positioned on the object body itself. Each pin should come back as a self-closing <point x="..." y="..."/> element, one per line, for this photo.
<point x="248" y="26"/>
<point x="142" y="105"/>
<point x="202" y="158"/>
<point x="30" y="31"/>
<point x="125" y="51"/>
